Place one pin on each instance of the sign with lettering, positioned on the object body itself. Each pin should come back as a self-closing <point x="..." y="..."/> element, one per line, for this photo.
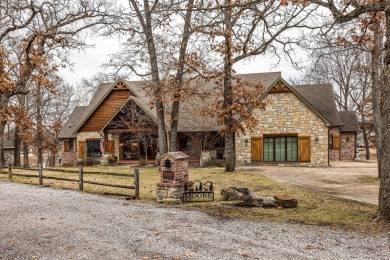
<point x="168" y="175"/>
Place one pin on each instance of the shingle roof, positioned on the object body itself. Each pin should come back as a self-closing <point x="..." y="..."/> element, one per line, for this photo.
<point x="73" y="121"/>
<point x="190" y="117"/>
<point x="321" y="97"/>
<point x="350" y="120"/>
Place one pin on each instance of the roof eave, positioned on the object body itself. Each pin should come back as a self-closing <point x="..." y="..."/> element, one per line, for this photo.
<point x="98" y="104"/>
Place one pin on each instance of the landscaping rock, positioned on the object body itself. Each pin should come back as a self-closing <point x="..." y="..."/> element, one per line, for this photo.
<point x="286" y="201"/>
<point x="248" y="200"/>
<point x="235" y="193"/>
<point x="269" y="202"/>
<point x="204" y="158"/>
<point x="259" y="202"/>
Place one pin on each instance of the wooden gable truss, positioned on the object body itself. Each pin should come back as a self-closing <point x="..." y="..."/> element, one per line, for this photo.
<point x="131" y="118"/>
<point x="106" y="108"/>
<point x="280" y="87"/>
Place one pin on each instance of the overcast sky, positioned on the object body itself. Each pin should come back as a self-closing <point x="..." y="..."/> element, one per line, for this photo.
<point x="87" y="63"/>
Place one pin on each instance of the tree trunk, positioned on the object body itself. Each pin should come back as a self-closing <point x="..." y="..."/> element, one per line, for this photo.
<point x="25" y="155"/>
<point x="366" y="134"/>
<point x="39" y="137"/>
<point x="2" y="128"/>
<point x="384" y="189"/>
<point x="375" y="78"/>
<point x="146" y="153"/>
<point x="228" y="91"/>
<point x="17" y="147"/>
<point x="148" y="31"/>
<point x="179" y="79"/>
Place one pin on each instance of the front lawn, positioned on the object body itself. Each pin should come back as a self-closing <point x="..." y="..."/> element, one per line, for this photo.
<point x="313" y="208"/>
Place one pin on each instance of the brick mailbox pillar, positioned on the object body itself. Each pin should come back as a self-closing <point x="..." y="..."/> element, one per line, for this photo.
<point x="173" y="177"/>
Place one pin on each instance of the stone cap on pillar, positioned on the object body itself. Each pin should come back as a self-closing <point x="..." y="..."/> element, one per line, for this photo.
<point x="175" y="155"/>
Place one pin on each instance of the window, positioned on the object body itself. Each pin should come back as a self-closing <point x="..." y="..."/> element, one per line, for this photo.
<point x="185" y="144"/>
<point x="281" y="149"/>
<point x="330" y="141"/>
<point x="71" y="146"/>
<point x="93" y="148"/>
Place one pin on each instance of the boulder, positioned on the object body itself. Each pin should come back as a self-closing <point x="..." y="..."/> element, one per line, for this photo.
<point x="260" y="202"/>
<point x="235" y="193"/>
<point x="248" y="200"/>
<point x="286" y="201"/>
<point x="269" y="202"/>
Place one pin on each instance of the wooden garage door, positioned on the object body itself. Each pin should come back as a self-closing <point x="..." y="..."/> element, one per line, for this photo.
<point x="257" y="149"/>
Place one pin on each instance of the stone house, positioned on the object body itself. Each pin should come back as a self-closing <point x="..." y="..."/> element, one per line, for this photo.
<point x="299" y="125"/>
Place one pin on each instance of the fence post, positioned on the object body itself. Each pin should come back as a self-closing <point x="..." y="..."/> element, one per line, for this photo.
<point x="81" y="178"/>
<point x="136" y="183"/>
<point x="40" y="174"/>
<point x="9" y="172"/>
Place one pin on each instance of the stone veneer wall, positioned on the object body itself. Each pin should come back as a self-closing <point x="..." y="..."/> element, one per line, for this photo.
<point x="334" y="154"/>
<point x="68" y="158"/>
<point x="171" y="190"/>
<point x="84" y="136"/>
<point x="286" y="113"/>
<point x="179" y="169"/>
<point x="347" y="148"/>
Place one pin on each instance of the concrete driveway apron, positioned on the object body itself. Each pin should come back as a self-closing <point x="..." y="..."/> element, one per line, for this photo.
<point x="341" y="179"/>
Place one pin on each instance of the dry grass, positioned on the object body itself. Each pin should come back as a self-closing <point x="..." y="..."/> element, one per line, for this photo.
<point x="368" y="179"/>
<point x="313" y="208"/>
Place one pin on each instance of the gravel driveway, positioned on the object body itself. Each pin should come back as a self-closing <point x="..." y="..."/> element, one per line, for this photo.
<point x="46" y="223"/>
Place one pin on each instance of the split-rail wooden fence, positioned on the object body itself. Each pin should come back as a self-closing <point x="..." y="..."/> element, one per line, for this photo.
<point x="80" y="180"/>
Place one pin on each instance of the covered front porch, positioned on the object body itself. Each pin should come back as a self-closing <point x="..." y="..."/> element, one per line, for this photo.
<point x="137" y="146"/>
<point x="131" y="147"/>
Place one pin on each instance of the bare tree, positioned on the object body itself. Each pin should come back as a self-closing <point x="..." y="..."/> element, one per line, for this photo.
<point x="381" y="95"/>
<point x="43" y="29"/>
<point x="157" y="52"/>
<point x="240" y="30"/>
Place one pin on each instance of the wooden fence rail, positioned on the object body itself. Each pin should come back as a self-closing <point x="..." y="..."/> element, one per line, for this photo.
<point x="80" y="180"/>
<point x="72" y="171"/>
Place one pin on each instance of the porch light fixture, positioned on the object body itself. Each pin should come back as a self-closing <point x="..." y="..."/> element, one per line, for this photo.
<point x="246" y="142"/>
<point x="316" y="139"/>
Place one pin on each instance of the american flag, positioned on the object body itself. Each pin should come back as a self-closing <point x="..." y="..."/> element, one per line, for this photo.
<point x="102" y="144"/>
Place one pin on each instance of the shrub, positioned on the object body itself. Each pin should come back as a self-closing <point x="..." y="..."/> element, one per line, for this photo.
<point x="213" y="163"/>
